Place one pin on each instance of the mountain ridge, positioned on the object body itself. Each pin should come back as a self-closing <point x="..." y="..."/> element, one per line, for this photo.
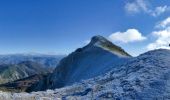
<point x="80" y="64"/>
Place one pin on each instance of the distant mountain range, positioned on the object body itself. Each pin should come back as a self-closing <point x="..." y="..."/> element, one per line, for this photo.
<point x="18" y="66"/>
<point x="50" y="61"/>
<point x="9" y="73"/>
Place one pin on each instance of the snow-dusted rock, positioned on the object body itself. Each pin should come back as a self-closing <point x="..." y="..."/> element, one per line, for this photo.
<point x="145" y="77"/>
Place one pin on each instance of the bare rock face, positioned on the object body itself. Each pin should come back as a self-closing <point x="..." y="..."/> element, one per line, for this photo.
<point x="94" y="59"/>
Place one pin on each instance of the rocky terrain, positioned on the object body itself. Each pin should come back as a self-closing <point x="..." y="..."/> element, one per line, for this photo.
<point x="99" y="71"/>
<point x="145" y="77"/>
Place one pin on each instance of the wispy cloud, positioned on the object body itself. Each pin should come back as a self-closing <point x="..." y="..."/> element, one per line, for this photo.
<point x="160" y="10"/>
<point x="138" y="6"/>
<point x="164" y="23"/>
<point x="131" y="35"/>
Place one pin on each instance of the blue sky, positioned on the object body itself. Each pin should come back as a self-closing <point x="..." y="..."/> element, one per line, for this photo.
<point x="61" y="26"/>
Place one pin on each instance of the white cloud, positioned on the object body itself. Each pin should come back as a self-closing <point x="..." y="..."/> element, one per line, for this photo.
<point x="162" y="36"/>
<point x="162" y="41"/>
<point x="138" y="6"/>
<point x="164" y="23"/>
<point x="130" y="35"/>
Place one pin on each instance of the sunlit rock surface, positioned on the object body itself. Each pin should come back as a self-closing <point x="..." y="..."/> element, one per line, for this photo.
<point x="145" y="77"/>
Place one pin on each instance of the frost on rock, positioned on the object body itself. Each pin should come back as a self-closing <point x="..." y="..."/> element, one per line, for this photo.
<point x="145" y="77"/>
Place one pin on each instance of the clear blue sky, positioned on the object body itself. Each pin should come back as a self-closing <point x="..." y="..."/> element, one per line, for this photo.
<point x="61" y="26"/>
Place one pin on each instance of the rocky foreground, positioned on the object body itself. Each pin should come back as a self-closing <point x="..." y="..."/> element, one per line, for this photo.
<point x="145" y="77"/>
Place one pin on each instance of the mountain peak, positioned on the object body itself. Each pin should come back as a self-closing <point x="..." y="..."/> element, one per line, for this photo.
<point x="98" y="39"/>
<point x="91" y="60"/>
<point x="102" y="42"/>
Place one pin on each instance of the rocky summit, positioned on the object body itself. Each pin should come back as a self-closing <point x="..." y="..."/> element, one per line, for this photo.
<point x="96" y="58"/>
